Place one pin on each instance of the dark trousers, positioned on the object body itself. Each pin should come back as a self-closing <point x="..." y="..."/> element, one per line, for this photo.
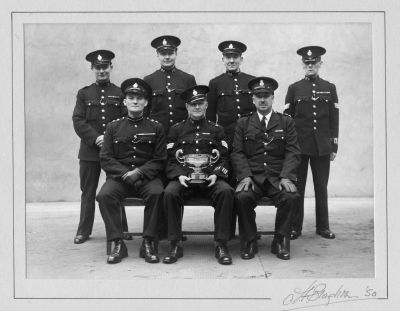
<point x="89" y="173"/>
<point x="246" y="202"/>
<point x="320" y="166"/>
<point x="113" y="192"/>
<point x="222" y="199"/>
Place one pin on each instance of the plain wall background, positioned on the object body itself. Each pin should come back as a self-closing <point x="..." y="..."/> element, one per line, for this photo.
<point x="55" y="68"/>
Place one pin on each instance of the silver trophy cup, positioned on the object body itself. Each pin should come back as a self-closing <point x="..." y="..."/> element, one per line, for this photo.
<point x="197" y="162"/>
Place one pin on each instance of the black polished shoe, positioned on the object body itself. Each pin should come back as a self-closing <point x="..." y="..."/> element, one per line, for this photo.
<point x="294" y="234"/>
<point x="148" y="251"/>
<point x="222" y="254"/>
<point x="175" y="252"/>
<point x="281" y="247"/>
<point x="326" y="233"/>
<point x="79" y="239"/>
<point x="120" y="251"/>
<point x="249" y="250"/>
<point x="126" y="236"/>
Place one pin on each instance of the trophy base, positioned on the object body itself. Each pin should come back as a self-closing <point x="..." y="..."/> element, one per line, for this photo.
<point x="197" y="179"/>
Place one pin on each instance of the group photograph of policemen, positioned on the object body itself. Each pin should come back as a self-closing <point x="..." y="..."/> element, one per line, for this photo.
<point x="232" y="113"/>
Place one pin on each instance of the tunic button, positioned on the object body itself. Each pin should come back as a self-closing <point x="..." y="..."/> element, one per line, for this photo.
<point x="169" y="83"/>
<point x="315" y="121"/>
<point x="104" y="132"/>
<point x="235" y="79"/>
<point x="265" y="164"/>
<point x="197" y="134"/>
<point x="222" y="94"/>
<point x="315" y="128"/>
<point x="314" y="106"/>
<point x="237" y="93"/>
<point x="197" y="150"/>
<point x="169" y="90"/>
<point x="236" y="85"/>
<point x="102" y="91"/>
<point x="314" y="113"/>
<point x="313" y="91"/>
<point x="237" y="99"/>
<point x="265" y="153"/>
<point x="134" y="148"/>
<point x="168" y="77"/>
<point x="198" y="127"/>
<point x="169" y="98"/>
<point x="103" y="117"/>
<point x="238" y="115"/>
<point x="133" y="165"/>
<point x="134" y="157"/>
<point x="102" y="96"/>
<point x="135" y="125"/>
<point x="171" y="113"/>
<point x="102" y="104"/>
<point x="103" y="125"/>
<point x="238" y="107"/>
<point x="171" y="121"/>
<point x="313" y="84"/>
<point x="102" y="110"/>
<point x="170" y="106"/>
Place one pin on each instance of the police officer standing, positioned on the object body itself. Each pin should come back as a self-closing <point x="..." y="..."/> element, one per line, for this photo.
<point x="313" y="103"/>
<point x="229" y="97"/>
<point x="265" y="157"/>
<point x="96" y="105"/>
<point x="198" y="138"/>
<point x="168" y="83"/>
<point x="133" y="156"/>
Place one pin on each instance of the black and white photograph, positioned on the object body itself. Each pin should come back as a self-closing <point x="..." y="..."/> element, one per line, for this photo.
<point x="201" y="157"/>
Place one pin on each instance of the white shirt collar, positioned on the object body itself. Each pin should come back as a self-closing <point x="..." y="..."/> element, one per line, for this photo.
<point x="267" y="117"/>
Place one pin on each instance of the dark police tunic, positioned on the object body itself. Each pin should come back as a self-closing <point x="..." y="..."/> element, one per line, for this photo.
<point x="266" y="154"/>
<point x="96" y="105"/>
<point x="198" y="137"/>
<point x="229" y="98"/>
<point x="129" y="144"/>
<point x="313" y="103"/>
<point x="166" y="106"/>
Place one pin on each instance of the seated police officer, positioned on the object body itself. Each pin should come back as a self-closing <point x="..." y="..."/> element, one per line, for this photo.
<point x="133" y="156"/>
<point x="264" y="158"/>
<point x="197" y="156"/>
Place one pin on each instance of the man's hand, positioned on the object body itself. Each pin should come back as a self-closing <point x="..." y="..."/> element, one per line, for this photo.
<point x="287" y="184"/>
<point x="99" y="141"/>
<point x="244" y="184"/>
<point x="132" y="176"/>
<point x="212" y="179"/>
<point x="183" y="180"/>
<point x="333" y="156"/>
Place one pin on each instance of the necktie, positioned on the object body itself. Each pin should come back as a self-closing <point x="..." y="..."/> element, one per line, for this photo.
<point x="263" y="121"/>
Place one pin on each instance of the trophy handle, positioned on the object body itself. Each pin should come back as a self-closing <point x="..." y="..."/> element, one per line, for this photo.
<point x="214" y="159"/>
<point x="180" y="159"/>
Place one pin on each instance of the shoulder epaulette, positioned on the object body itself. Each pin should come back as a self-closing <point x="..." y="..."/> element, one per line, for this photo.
<point x="246" y="115"/>
<point x="152" y="120"/>
<point x="213" y="123"/>
<point x="119" y="119"/>
<point x="180" y="122"/>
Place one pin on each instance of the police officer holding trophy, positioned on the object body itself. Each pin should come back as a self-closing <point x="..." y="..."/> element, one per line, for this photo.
<point x="265" y="157"/>
<point x="229" y="97"/>
<point x="96" y="105"/>
<point x="168" y="83"/>
<point x="313" y="103"/>
<point x="197" y="165"/>
<point x="133" y="156"/>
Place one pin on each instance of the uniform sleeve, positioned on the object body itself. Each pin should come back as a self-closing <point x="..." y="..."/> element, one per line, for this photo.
<point x="334" y="119"/>
<point x="84" y="130"/>
<point x="155" y="166"/>
<point x="221" y="168"/>
<point x="147" y="109"/>
<point x="292" y="152"/>
<point x="212" y="98"/>
<point x="108" y="162"/>
<point x="174" y="168"/>
<point x="239" y="161"/>
<point x="290" y="105"/>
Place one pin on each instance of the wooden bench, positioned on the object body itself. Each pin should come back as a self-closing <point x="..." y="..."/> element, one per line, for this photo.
<point x="194" y="201"/>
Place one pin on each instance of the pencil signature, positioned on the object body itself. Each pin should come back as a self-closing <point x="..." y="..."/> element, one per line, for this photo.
<point x="318" y="293"/>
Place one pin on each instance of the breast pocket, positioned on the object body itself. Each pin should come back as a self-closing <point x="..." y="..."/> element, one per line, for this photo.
<point x="122" y="147"/>
<point x="92" y="110"/>
<point x="114" y="109"/>
<point x="250" y="144"/>
<point x="225" y="100"/>
<point x="278" y="143"/>
<point x="300" y="103"/>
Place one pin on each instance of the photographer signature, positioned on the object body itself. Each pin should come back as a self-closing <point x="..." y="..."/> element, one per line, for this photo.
<point x="318" y="294"/>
